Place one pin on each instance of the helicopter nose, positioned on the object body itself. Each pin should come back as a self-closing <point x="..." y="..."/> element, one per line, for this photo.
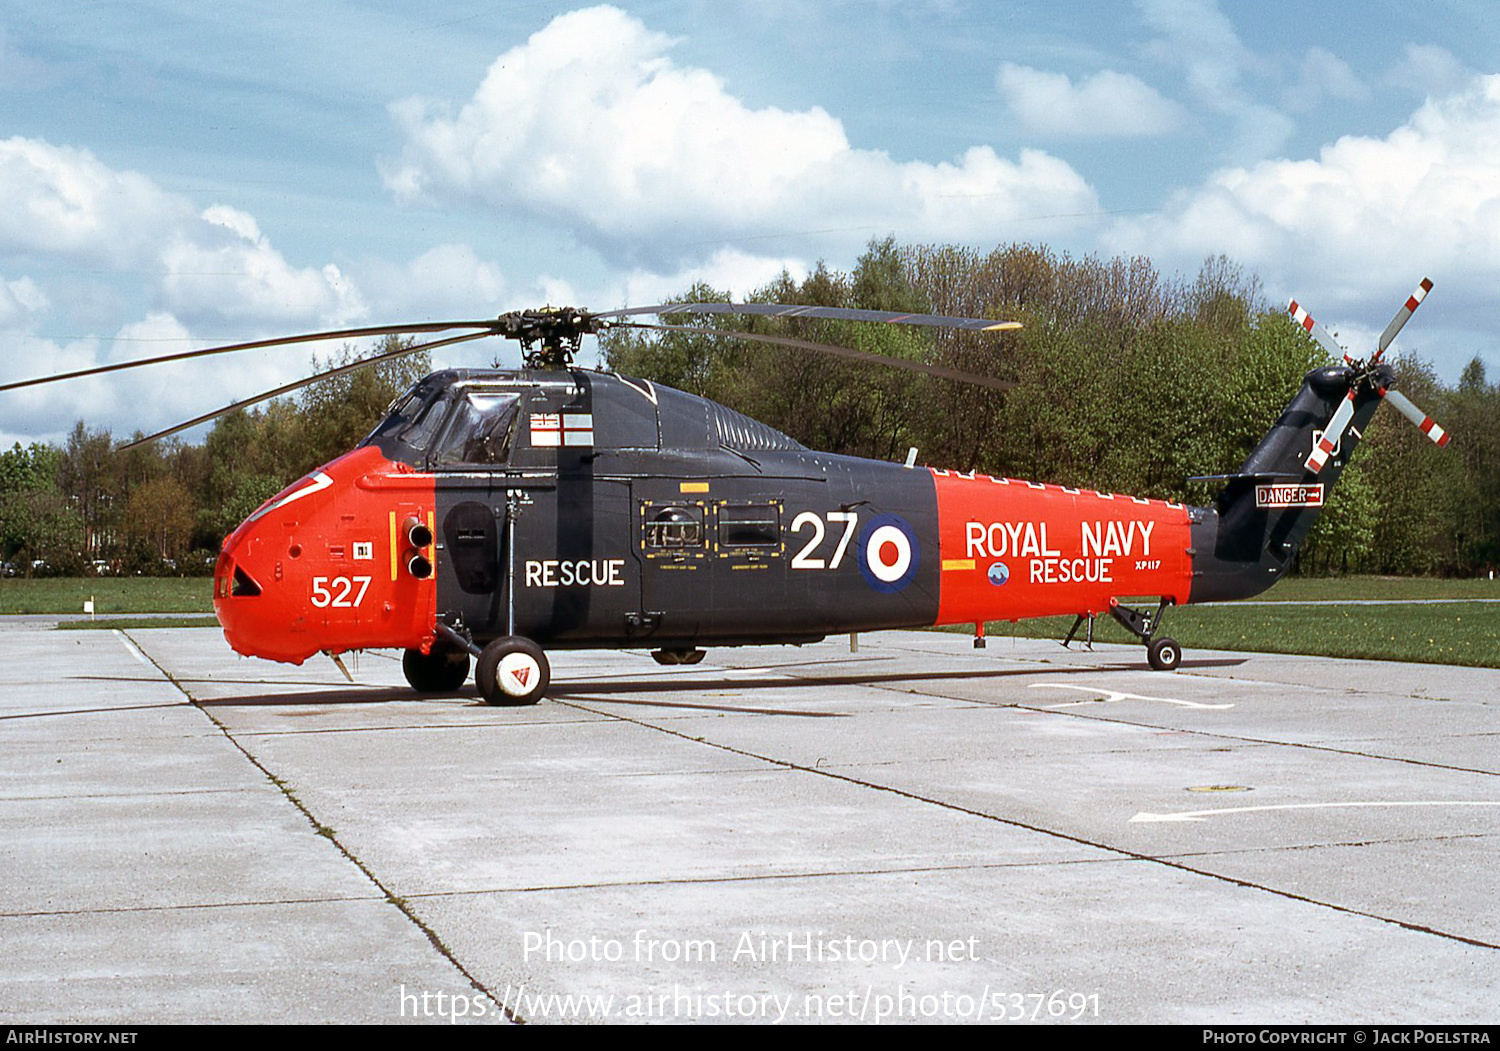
<point x="231" y="581"/>
<point x="257" y="617"/>
<point x="342" y="559"/>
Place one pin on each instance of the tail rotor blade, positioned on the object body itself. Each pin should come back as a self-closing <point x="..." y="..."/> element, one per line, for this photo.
<point x="1402" y="316"/>
<point x="1332" y="434"/>
<point x="1317" y="331"/>
<point x="1402" y="404"/>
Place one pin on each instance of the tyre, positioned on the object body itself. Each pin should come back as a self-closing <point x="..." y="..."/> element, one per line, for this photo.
<point x="1163" y="654"/>
<point x="442" y="670"/>
<point x="512" y="671"/>
<point x="679" y="656"/>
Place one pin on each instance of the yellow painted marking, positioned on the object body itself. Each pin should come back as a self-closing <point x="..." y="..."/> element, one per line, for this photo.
<point x="693" y="487"/>
<point x="957" y="563"/>
<point x="393" y="545"/>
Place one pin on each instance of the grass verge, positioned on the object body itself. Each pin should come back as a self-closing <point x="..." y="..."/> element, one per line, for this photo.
<point x="126" y="623"/>
<point x="111" y="595"/>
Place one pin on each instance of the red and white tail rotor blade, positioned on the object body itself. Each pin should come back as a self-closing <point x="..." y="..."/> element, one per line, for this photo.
<point x="1332" y="434"/>
<point x="1317" y="331"/>
<point x="1424" y="422"/>
<point x="1402" y="317"/>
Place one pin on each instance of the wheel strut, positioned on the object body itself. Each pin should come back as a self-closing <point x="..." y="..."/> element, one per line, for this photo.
<point x="1163" y="653"/>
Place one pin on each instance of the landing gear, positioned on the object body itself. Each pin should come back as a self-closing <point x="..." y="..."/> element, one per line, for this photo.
<point x="1163" y="653"/>
<point x="442" y="669"/>
<point x="512" y="671"/>
<point x="680" y="656"/>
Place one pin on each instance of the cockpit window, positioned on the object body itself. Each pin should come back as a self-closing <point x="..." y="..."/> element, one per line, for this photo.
<point x="479" y="431"/>
<point x="419" y="432"/>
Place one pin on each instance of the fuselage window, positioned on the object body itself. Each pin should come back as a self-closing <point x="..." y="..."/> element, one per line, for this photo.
<point x="674" y="528"/>
<point x="749" y="525"/>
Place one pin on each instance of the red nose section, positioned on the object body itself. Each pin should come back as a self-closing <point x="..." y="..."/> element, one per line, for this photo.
<point x="342" y="559"/>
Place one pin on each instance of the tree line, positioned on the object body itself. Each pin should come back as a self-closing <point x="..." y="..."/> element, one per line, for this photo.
<point x="1125" y="380"/>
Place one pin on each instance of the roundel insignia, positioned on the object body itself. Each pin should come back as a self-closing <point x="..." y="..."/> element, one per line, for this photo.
<point x="999" y="573"/>
<point x="888" y="553"/>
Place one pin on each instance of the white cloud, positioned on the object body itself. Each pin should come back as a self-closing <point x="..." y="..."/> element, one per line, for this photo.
<point x="1198" y="38"/>
<point x="206" y="274"/>
<point x="727" y="270"/>
<point x="223" y="268"/>
<point x="20" y="301"/>
<point x="63" y="202"/>
<point x="146" y="399"/>
<point x="64" y="205"/>
<point x="1105" y="105"/>
<point x="1424" y="199"/>
<point x="447" y="281"/>
<point x="591" y="124"/>
<point x="1430" y="70"/>
<point x="1323" y="75"/>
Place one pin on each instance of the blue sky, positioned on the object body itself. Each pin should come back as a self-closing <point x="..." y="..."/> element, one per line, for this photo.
<point x="179" y="174"/>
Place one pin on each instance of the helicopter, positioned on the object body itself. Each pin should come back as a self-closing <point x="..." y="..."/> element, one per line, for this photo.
<point x="494" y="514"/>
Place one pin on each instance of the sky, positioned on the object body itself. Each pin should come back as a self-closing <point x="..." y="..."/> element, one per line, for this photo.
<point x="178" y="174"/>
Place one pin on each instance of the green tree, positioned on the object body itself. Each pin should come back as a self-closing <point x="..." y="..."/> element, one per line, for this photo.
<point x="338" y="413"/>
<point x="86" y="479"/>
<point x="157" y="526"/>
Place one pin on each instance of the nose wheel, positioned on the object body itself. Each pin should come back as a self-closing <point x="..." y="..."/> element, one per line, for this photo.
<point x="512" y="671"/>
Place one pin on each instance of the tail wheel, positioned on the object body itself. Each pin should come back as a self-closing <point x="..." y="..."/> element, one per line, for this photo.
<point x="1164" y="654"/>
<point x="440" y="670"/>
<point x="512" y="671"/>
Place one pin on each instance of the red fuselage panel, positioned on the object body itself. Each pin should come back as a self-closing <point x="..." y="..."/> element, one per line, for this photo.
<point x="325" y="565"/>
<point x="1014" y="549"/>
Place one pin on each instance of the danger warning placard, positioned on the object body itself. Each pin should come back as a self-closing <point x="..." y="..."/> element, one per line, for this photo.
<point x="1289" y="496"/>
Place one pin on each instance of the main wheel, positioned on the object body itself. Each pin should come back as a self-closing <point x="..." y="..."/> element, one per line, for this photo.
<point x="678" y="656"/>
<point x="512" y="671"/>
<point x="441" y="670"/>
<point x="1164" y="654"/>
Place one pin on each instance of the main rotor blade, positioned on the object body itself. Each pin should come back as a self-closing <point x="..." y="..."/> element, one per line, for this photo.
<point x="308" y="337"/>
<point x="1402" y="404"/>
<point x="843" y="352"/>
<point x="287" y="388"/>
<point x="1318" y="332"/>
<point x="970" y="324"/>
<point x="1402" y="316"/>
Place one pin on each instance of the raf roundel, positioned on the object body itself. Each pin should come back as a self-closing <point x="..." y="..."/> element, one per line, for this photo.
<point x="888" y="554"/>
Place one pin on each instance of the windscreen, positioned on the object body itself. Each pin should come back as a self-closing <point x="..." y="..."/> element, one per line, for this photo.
<point x="479" y="430"/>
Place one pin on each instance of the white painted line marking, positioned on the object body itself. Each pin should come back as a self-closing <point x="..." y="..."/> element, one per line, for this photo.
<point x="1111" y="696"/>
<point x="134" y="650"/>
<point x="1199" y="815"/>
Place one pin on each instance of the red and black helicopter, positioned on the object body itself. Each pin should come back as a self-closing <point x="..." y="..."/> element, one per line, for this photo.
<point x="495" y="513"/>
